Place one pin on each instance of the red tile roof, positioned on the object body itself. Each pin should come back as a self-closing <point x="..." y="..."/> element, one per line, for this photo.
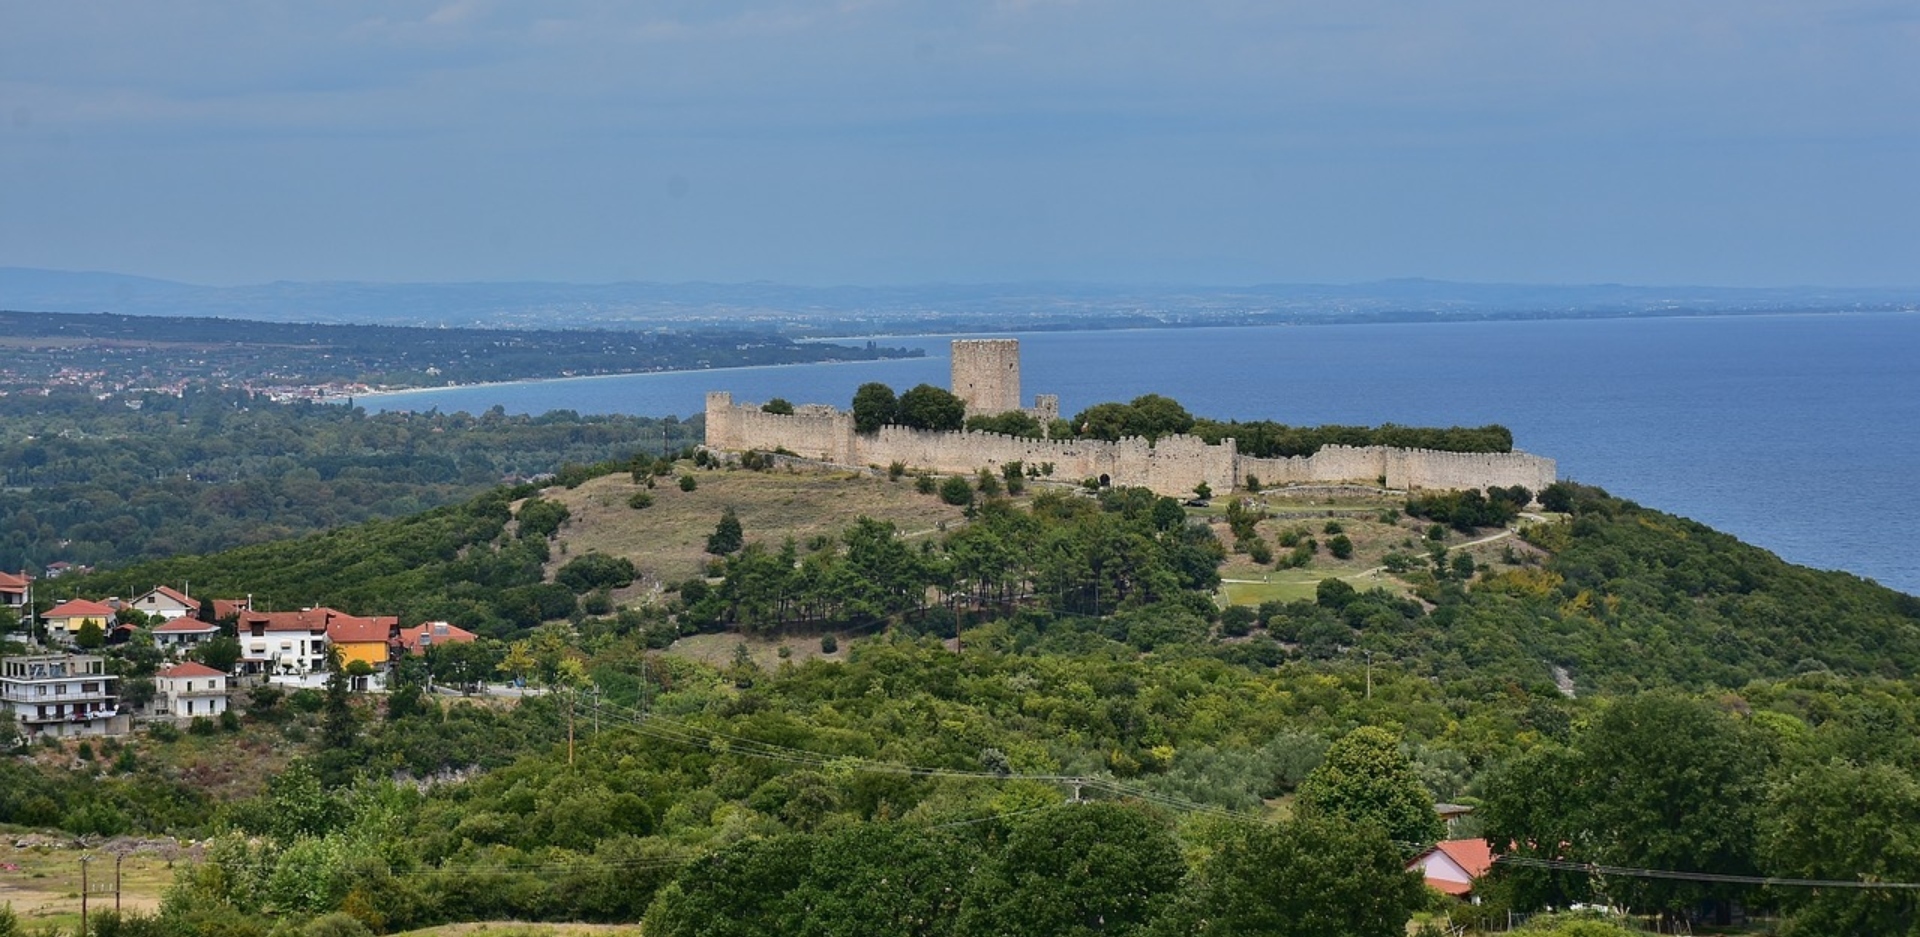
<point x="435" y="632"/>
<point x="224" y="607"/>
<point x="350" y="629"/>
<point x="175" y="595"/>
<point x="191" y="669"/>
<point x="79" y="608"/>
<point x="184" y="626"/>
<point x="12" y="583"/>
<point x="1472" y="854"/>
<point x="308" y="619"/>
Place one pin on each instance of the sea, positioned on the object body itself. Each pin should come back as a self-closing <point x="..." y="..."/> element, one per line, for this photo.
<point x="1797" y="433"/>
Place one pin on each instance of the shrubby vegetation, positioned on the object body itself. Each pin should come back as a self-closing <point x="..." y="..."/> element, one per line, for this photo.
<point x="1269" y="440"/>
<point x="1735" y="715"/>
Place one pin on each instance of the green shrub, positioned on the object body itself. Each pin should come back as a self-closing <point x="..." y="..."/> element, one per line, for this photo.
<point x="1259" y="552"/>
<point x="829" y="644"/>
<point x="687" y="483"/>
<point x="640" y="501"/>
<point x="956" y="491"/>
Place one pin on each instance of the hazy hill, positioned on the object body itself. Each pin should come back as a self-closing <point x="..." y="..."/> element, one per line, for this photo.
<point x="932" y="307"/>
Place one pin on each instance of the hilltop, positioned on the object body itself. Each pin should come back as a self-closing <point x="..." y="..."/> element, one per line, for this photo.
<point x="982" y="659"/>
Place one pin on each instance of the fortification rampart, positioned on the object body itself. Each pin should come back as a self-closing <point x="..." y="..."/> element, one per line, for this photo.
<point x="1403" y="468"/>
<point x="986" y="376"/>
<point x="1173" y="466"/>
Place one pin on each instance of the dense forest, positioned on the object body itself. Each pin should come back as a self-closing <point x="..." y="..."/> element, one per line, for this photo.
<point x="150" y="351"/>
<point x="90" y="481"/>
<point x="1103" y="751"/>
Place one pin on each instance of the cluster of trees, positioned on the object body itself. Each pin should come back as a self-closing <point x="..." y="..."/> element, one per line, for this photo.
<point x="1079" y="869"/>
<point x="93" y="482"/>
<point x="922" y="407"/>
<point x="1786" y="780"/>
<point x="1152" y="416"/>
<point x="1071" y="555"/>
<point x="1471" y="509"/>
<point x="1268" y="440"/>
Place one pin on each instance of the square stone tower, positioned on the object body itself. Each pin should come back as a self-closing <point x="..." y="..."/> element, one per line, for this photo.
<point x="986" y="375"/>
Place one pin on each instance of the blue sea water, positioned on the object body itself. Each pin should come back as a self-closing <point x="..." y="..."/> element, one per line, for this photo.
<point x="1800" y="434"/>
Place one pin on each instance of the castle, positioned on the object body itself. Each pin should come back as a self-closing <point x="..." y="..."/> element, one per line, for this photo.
<point x="986" y="377"/>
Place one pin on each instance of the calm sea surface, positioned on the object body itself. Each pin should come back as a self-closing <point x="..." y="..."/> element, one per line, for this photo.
<point x="1797" y="433"/>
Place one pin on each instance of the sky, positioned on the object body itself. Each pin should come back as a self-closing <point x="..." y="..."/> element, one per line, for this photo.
<point x="1702" y="142"/>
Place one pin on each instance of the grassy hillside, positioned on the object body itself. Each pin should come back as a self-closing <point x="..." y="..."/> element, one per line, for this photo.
<point x="667" y="541"/>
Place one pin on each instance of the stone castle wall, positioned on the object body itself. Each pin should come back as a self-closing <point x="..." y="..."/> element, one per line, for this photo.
<point x="1406" y="469"/>
<point x="813" y="432"/>
<point x="1172" y="466"/>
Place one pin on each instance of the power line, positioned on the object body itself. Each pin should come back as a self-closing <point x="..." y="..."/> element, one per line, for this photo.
<point x="1591" y="868"/>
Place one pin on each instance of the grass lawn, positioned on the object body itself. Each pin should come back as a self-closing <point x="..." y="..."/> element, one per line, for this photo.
<point x="716" y="650"/>
<point x="667" y="541"/>
<point x="517" y="929"/>
<point x="42" y="880"/>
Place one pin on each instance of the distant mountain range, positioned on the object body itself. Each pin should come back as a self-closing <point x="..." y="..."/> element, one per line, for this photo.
<point x="922" y="308"/>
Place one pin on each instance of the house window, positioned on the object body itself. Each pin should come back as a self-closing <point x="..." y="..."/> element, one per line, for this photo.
<point x="189" y="707"/>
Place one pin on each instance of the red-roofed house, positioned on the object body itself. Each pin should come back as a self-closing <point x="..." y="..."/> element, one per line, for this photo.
<point x="13" y="590"/>
<point x="364" y="641"/>
<point x="182" y="633"/>
<point x="188" y="690"/>
<point x="418" y="640"/>
<point x="1453" y="865"/>
<point x="361" y="639"/>
<point x="285" y="644"/>
<point x="167" y="603"/>
<point x="69" y="617"/>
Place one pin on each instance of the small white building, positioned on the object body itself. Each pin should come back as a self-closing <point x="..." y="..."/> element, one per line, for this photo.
<point x="190" y="689"/>
<point x="62" y="694"/>
<point x="166" y="603"/>
<point x="181" y="634"/>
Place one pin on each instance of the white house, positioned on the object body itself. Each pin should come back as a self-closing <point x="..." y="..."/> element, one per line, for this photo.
<point x="285" y="644"/>
<point x="191" y="689"/>
<point x="62" y="694"/>
<point x="166" y="603"/>
<point x="183" y="633"/>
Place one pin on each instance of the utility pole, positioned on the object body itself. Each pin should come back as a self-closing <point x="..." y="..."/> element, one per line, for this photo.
<point x="569" y="727"/>
<point x="84" y="889"/>
<point x="117" y="859"/>
<point x="1369" y="673"/>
